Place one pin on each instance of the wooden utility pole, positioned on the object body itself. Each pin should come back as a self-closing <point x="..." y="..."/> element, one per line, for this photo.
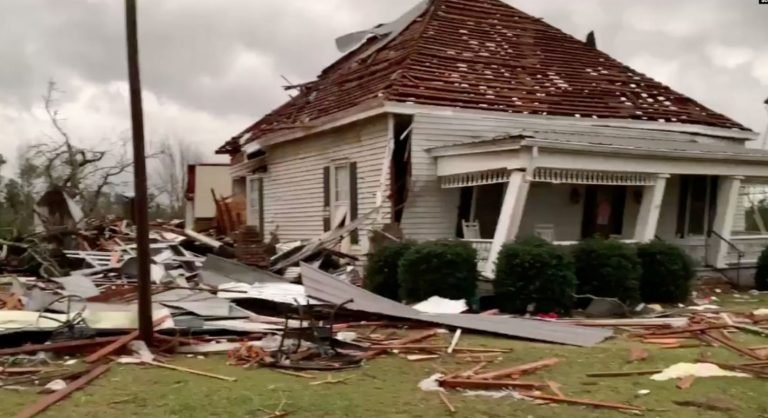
<point x="141" y="217"/>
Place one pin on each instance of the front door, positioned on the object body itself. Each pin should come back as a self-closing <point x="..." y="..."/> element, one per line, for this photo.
<point x="603" y="211"/>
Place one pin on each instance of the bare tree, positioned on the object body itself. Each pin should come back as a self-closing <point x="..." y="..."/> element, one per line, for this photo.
<point x="170" y="173"/>
<point x="87" y="174"/>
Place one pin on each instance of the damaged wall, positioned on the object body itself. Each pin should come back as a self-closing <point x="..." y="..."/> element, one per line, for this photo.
<point x="293" y="185"/>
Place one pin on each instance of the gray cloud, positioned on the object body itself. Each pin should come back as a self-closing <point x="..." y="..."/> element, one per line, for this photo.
<point x="210" y="67"/>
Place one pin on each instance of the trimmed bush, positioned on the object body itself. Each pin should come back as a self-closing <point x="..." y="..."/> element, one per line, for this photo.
<point x="607" y="268"/>
<point x="534" y="271"/>
<point x="761" y="276"/>
<point x="381" y="271"/>
<point x="667" y="273"/>
<point x="439" y="268"/>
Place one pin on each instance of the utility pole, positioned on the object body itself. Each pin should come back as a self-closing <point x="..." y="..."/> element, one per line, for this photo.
<point x="141" y="218"/>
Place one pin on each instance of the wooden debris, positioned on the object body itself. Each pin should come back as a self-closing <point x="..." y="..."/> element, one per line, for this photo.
<point x="474" y="383"/>
<point x="294" y="374"/>
<point x="446" y="402"/>
<point x="192" y="371"/>
<point x="64" y="345"/>
<point x="422" y="357"/>
<point x="48" y="401"/>
<point x="710" y="405"/>
<point x="27" y="370"/>
<point x="638" y="354"/>
<point x="415" y="338"/>
<point x="685" y="383"/>
<point x="711" y="337"/>
<point x="519" y="370"/>
<point x="330" y="380"/>
<point x="555" y="388"/>
<point x="625" y="373"/>
<point x="471" y="372"/>
<point x="586" y="402"/>
<point x="455" y="341"/>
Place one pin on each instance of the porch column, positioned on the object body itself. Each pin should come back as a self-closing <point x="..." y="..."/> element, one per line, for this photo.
<point x="727" y="200"/>
<point x="510" y="217"/>
<point x="648" y="218"/>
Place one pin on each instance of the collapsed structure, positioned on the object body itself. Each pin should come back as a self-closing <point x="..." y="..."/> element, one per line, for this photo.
<point x="473" y="120"/>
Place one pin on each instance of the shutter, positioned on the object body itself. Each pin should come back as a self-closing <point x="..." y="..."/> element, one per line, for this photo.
<point x="326" y="199"/>
<point x="355" y="235"/>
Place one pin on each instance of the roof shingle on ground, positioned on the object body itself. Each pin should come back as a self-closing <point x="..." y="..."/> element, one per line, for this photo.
<point x="485" y="54"/>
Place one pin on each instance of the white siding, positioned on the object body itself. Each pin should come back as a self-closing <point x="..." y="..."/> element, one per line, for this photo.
<point x="293" y="185"/>
<point x="431" y="212"/>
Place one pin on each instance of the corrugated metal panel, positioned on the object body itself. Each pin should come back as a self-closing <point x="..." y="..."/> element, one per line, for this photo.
<point x="321" y="285"/>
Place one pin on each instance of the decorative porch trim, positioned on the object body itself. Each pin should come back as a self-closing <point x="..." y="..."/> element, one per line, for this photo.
<point x="475" y="179"/>
<point x="560" y="175"/>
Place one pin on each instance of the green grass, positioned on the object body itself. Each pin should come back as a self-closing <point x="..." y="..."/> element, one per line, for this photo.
<point x="386" y="387"/>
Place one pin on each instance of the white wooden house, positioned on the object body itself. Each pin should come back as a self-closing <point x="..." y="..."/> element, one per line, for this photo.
<point x="480" y="122"/>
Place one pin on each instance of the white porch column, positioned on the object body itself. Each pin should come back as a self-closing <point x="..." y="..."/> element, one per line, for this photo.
<point x="510" y="217"/>
<point x="648" y="218"/>
<point x="727" y="200"/>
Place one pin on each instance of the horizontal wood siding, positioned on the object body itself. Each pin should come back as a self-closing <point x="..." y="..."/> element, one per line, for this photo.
<point x="293" y="186"/>
<point x="431" y="212"/>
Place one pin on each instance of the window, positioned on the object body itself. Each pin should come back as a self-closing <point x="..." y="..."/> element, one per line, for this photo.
<point x="340" y="193"/>
<point x="255" y="202"/>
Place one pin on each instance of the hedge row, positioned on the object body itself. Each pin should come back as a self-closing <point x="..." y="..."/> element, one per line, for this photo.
<point x="533" y="275"/>
<point x="411" y="272"/>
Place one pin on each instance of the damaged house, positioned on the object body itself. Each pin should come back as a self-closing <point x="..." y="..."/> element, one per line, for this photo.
<point x="473" y="120"/>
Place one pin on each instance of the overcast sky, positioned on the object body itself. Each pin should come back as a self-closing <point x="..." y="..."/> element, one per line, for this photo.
<point x="211" y="67"/>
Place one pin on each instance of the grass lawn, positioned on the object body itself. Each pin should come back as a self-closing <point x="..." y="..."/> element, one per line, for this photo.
<point x="386" y="387"/>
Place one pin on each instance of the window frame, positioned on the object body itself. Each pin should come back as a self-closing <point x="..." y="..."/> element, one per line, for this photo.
<point x="256" y="219"/>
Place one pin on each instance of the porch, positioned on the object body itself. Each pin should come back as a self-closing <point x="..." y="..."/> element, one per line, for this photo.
<point x="518" y="194"/>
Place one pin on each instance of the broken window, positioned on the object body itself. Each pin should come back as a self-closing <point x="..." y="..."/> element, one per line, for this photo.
<point x="340" y="197"/>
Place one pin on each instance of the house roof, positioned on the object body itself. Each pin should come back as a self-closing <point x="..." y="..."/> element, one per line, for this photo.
<point x="486" y="54"/>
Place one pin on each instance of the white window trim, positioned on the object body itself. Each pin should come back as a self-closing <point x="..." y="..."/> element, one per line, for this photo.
<point x="250" y="218"/>
<point x="346" y="243"/>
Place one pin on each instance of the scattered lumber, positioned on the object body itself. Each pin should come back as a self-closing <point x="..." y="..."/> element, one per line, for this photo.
<point x="48" y="401"/>
<point x="446" y="402"/>
<point x="585" y="402"/>
<point x="475" y="383"/>
<point x="685" y="383"/>
<point x="192" y="371"/>
<point x="625" y="373"/>
<point x="120" y="343"/>
<point x="519" y="370"/>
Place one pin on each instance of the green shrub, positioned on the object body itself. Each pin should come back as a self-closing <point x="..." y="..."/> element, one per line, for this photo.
<point x="534" y="271"/>
<point x="761" y="276"/>
<point x="667" y="272"/>
<point x="607" y="268"/>
<point x="381" y="271"/>
<point x="439" y="268"/>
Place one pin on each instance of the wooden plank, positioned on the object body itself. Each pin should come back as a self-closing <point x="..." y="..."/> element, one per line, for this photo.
<point x="555" y="388"/>
<point x="454" y="342"/>
<point x="414" y="338"/>
<point x="519" y="370"/>
<point x="192" y="371"/>
<point x="489" y="384"/>
<point x="34" y="348"/>
<point x="120" y="343"/>
<point x="48" y="401"/>
<point x="685" y="382"/>
<point x="446" y="402"/>
<point x="625" y="373"/>
<point x="585" y="402"/>
<point x="733" y="346"/>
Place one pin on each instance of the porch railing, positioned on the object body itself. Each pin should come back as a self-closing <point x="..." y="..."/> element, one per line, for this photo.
<point x="739" y="253"/>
